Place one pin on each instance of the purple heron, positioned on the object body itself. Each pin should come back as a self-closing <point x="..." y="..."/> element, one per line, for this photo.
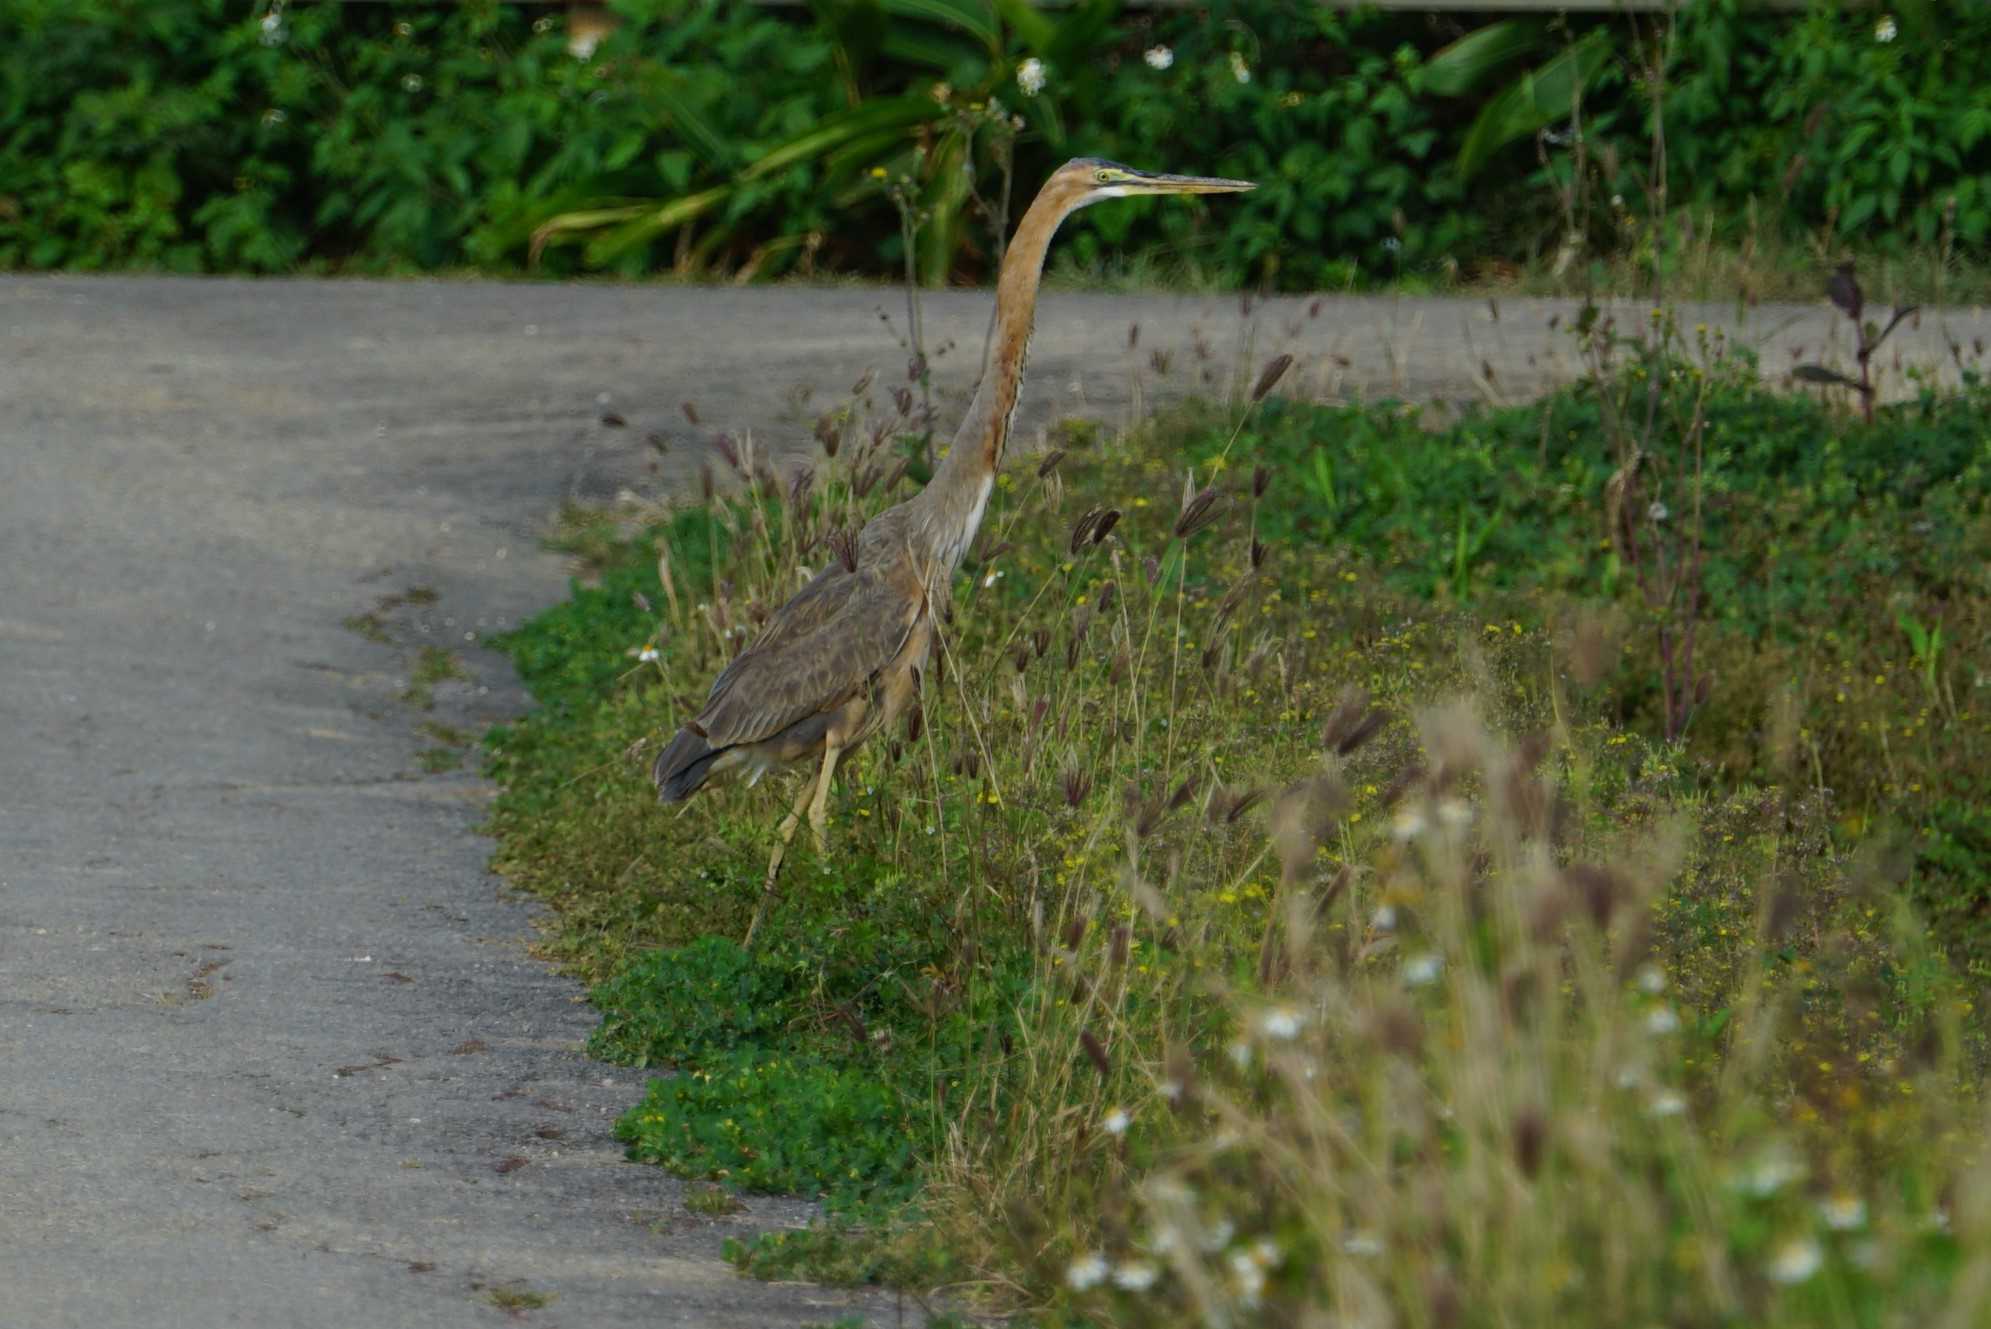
<point x="843" y="659"/>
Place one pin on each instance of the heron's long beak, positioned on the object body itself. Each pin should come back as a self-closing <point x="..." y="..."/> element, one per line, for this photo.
<point x="1155" y="183"/>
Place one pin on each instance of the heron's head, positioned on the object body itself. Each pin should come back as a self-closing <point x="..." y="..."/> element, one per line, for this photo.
<point x="1084" y="180"/>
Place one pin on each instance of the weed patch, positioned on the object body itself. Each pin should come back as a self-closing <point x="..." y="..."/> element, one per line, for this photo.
<point x="1287" y="902"/>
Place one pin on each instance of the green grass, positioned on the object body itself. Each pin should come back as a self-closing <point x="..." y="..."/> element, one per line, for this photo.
<point x="1308" y="912"/>
<point x="433" y="665"/>
<point x="1764" y="269"/>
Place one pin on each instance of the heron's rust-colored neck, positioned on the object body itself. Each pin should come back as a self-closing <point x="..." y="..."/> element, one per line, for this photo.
<point x="952" y="503"/>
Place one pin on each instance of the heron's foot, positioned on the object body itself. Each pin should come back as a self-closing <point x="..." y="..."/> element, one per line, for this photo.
<point x="773" y="870"/>
<point x="766" y="895"/>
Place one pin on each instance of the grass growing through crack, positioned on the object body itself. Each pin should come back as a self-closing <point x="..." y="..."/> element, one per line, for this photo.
<point x="1282" y="907"/>
<point x="433" y="665"/>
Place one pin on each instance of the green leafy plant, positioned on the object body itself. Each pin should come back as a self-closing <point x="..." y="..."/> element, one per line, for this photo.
<point x="927" y="137"/>
<point x="703" y="137"/>
<point x="1542" y="96"/>
<point x="1844" y="291"/>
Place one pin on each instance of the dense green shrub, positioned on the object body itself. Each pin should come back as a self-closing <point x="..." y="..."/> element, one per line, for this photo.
<point x="188" y="134"/>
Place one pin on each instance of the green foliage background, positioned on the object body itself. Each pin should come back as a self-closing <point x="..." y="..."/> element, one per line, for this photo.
<point x="191" y="135"/>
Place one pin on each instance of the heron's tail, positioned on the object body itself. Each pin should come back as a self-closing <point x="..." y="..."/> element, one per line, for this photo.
<point x="682" y="766"/>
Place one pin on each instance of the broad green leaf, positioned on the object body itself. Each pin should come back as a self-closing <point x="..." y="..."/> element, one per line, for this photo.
<point x="643" y="229"/>
<point x="898" y="111"/>
<point x="1031" y="28"/>
<point x="973" y="17"/>
<point x="696" y="130"/>
<point x="1538" y="98"/>
<point x="1456" y="68"/>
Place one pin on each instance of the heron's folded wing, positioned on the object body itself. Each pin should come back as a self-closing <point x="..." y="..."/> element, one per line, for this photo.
<point x="821" y="599"/>
<point x="853" y="625"/>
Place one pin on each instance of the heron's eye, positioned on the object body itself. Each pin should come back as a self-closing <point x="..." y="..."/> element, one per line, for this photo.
<point x="1103" y="175"/>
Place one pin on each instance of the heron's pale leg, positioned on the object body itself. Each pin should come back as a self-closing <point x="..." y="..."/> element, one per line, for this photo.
<point x="819" y="809"/>
<point x="787" y="833"/>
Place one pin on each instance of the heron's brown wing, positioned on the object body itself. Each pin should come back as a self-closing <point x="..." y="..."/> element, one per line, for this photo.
<point x="846" y="626"/>
<point x="814" y="605"/>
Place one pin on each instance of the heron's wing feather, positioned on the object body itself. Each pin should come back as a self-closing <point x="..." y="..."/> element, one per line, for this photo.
<point x="845" y="627"/>
<point x="815" y="604"/>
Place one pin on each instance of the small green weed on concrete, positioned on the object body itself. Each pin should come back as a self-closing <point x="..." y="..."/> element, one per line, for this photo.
<point x="711" y="1201"/>
<point x="433" y="665"/>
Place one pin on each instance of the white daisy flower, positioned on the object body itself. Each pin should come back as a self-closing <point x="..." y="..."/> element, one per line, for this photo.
<point x="1885" y="31"/>
<point x="1667" y="1103"/>
<point x="1651" y="980"/>
<point x="1843" y="1212"/>
<point x="1136" y="1276"/>
<point x="1086" y="1272"/>
<point x="1248" y="1276"/>
<point x="1423" y="970"/>
<point x="1030" y="76"/>
<point x="1116" y="1121"/>
<point x="647" y="654"/>
<point x="1281" y="1022"/>
<point x="1795" y="1261"/>
<point x="1159" y="57"/>
<point x="1661" y="1020"/>
<point x="1775" y="1169"/>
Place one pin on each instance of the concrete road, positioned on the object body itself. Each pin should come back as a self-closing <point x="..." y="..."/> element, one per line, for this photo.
<point x="272" y="1051"/>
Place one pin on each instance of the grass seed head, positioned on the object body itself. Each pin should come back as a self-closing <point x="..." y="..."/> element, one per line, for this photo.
<point x="1531" y="1135"/>
<point x="1183" y="793"/>
<point x="800" y="488"/>
<point x="843" y="544"/>
<point x="1082" y="529"/>
<point x="1199" y="512"/>
<point x="1599" y="891"/>
<point x="1076" y="784"/>
<point x="1095" y="1052"/>
<point x="1397" y="1028"/>
<point x="1352" y="723"/>
<point x="1268" y="378"/>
